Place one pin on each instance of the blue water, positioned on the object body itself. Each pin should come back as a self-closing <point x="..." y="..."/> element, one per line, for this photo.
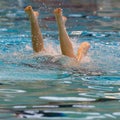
<point x="47" y="86"/>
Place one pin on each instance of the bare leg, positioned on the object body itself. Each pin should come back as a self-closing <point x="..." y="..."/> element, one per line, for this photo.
<point x="37" y="39"/>
<point x="65" y="43"/>
<point x="82" y="50"/>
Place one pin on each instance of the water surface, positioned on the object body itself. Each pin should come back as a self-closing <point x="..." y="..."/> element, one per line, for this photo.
<point x="46" y="86"/>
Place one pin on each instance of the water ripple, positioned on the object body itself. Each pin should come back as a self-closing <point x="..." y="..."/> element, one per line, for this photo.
<point x="66" y="98"/>
<point x="11" y="91"/>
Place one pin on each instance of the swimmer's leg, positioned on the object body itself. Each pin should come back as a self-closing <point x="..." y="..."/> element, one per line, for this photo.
<point x="82" y="50"/>
<point x="65" y="42"/>
<point x="37" y="39"/>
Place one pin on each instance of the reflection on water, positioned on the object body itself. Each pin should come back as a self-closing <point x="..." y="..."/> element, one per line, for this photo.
<point x="45" y="86"/>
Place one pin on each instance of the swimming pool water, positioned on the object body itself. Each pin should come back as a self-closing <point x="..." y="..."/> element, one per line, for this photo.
<point x="45" y="86"/>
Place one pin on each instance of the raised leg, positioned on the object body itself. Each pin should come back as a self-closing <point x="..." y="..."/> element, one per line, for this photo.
<point x="82" y="51"/>
<point x="65" y="42"/>
<point x="37" y="39"/>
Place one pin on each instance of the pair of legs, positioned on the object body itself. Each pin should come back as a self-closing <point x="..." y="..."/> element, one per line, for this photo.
<point x="65" y="42"/>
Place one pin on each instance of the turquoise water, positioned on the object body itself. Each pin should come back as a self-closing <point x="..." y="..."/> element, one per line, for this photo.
<point x="46" y="86"/>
